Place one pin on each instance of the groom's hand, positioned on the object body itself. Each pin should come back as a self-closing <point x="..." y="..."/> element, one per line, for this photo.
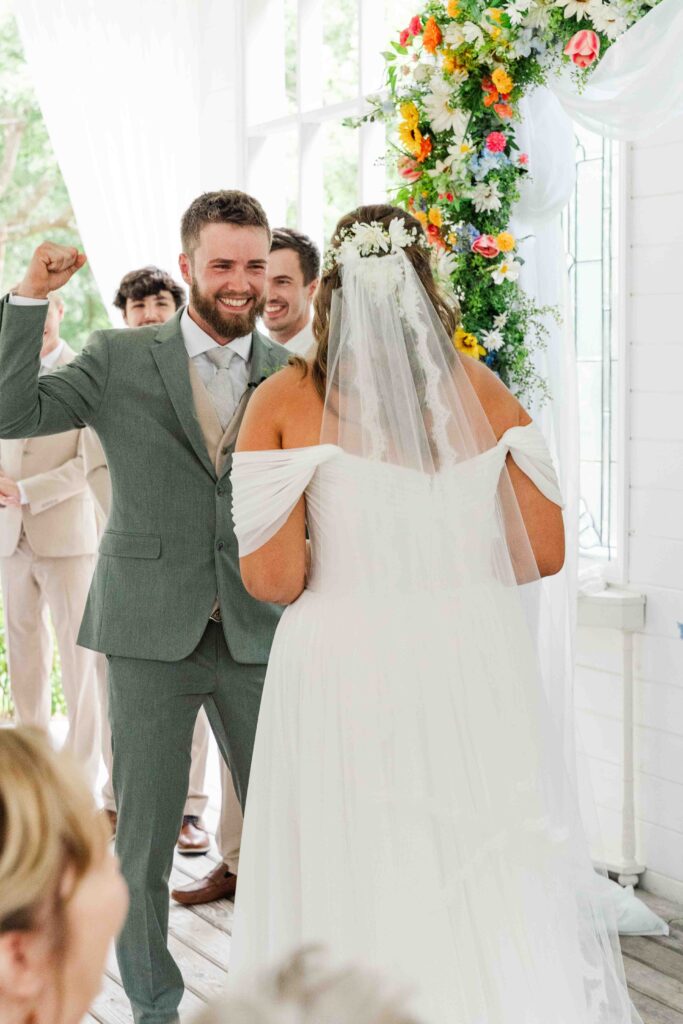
<point x="50" y="268"/>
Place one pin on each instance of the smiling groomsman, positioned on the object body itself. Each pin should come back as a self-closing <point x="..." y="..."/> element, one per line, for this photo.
<point x="291" y="281"/>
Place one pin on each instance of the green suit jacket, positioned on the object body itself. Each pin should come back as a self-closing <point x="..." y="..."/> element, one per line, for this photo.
<point x="169" y="546"/>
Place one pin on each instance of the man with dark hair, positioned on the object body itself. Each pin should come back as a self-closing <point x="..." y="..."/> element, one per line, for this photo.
<point x="148" y="296"/>
<point x="291" y="281"/>
<point x="167" y="604"/>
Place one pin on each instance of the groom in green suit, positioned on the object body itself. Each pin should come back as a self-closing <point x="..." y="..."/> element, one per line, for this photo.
<point x="167" y="605"/>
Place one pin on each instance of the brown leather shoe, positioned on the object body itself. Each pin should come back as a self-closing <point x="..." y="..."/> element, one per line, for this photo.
<point x="193" y="838"/>
<point x="217" y="885"/>
<point x="111" y="817"/>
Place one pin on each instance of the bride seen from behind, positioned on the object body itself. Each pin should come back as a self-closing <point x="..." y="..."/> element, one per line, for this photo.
<point x="405" y="746"/>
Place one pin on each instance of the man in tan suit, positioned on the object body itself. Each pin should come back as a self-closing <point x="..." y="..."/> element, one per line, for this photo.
<point x="146" y="297"/>
<point x="48" y="544"/>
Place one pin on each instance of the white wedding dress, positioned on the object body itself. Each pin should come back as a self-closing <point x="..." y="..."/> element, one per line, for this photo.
<point x="407" y="805"/>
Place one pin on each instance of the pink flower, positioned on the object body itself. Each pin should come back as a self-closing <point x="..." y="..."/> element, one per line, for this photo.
<point x="415" y="26"/>
<point x="404" y="37"/>
<point x="496" y="142"/>
<point x="408" y="169"/>
<point x="583" y="48"/>
<point x="486" y="246"/>
<point x="523" y="159"/>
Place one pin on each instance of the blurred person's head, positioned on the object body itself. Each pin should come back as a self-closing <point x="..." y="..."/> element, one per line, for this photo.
<point x="291" y="280"/>
<point x="62" y="898"/>
<point x="148" y="296"/>
<point x="226" y="239"/>
<point x="307" y="989"/>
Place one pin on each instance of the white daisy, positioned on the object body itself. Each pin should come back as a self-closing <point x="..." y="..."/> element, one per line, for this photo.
<point x="516" y="11"/>
<point x="486" y="196"/>
<point x="453" y="35"/>
<point x="508" y="270"/>
<point x="369" y="238"/>
<point x="401" y="238"/>
<point x="500" y="321"/>
<point x="491" y="340"/>
<point x="472" y="33"/>
<point x="609" y="19"/>
<point x="442" y="115"/>
<point x="578" y="9"/>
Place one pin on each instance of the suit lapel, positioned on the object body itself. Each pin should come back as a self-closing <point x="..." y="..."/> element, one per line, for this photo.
<point x="171" y="358"/>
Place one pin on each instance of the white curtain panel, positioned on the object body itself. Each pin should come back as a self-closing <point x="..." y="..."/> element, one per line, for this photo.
<point x="118" y="85"/>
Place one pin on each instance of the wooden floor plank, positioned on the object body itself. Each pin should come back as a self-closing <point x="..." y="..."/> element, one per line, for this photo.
<point x="664" y="908"/>
<point x="653" y="1012"/>
<point x="666" y="961"/>
<point x="198" y="934"/>
<point x="650" y="982"/>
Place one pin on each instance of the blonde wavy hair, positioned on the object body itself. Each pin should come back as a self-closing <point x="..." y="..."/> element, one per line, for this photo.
<point x="50" y="833"/>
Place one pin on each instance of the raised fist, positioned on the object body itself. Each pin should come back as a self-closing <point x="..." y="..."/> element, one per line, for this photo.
<point x="50" y="268"/>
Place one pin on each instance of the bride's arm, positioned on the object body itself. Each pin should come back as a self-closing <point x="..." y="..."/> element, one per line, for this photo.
<point x="542" y="518"/>
<point x="275" y="572"/>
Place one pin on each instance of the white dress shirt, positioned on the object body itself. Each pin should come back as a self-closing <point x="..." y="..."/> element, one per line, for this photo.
<point x="302" y="343"/>
<point x="198" y="343"/>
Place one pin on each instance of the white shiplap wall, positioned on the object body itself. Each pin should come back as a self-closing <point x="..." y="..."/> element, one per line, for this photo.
<point x="654" y="333"/>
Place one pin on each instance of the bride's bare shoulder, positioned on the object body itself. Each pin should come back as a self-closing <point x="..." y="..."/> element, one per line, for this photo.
<point x="287" y="398"/>
<point x="502" y="409"/>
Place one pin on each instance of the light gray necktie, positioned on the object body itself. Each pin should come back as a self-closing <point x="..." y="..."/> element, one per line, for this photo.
<point x="221" y="387"/>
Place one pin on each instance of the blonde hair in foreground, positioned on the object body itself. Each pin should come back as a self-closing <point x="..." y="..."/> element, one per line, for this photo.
<point x="306" y="989"/>
<point x="48" y="826"/>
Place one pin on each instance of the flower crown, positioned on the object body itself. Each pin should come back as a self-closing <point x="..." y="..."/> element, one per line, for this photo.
<point x="373" y="239"/>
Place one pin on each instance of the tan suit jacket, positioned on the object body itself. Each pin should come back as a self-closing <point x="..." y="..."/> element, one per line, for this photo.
<point x="59" y="519"/>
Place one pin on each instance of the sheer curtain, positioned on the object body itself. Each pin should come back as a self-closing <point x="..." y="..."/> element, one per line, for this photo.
<point x="119" y="87"/>
<point x="635" y="89"/>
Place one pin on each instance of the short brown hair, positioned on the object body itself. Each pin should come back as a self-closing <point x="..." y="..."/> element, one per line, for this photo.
<point x="446" y="308"/>
<point x="138" y="284"/>
<point x="229" y="206"/>
<point x="303" y="246"/>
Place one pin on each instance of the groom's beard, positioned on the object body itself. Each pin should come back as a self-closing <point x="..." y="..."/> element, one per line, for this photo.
<point x="227" y="325"/>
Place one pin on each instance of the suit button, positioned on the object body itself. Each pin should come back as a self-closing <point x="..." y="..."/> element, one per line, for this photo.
<point x="220" y="491"/>
<point x="220" y="545"/>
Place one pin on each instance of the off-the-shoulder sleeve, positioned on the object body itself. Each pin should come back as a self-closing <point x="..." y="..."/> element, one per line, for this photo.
<point x="529" y="450"/>
<point x="266" y="486"/>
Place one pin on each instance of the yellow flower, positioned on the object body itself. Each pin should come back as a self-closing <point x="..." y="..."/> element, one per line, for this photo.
<point x="468" y="344"/>
<point x="495" y="32"/>
<point x="502" y="81"/>
<point x="453" y="8"/>
<point x="410" y="114"/>
<point x="422" y="217"/>
<point x="452" y="239"/>
<point x="435" y="217"/>
<point x="449" y="61"/>
<point x="465" y="148"/>
<point x="506" y="241"/>
<point x="411" y="138"/>
<point x="494" y="13"/>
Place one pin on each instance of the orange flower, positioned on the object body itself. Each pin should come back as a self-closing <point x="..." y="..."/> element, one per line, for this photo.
<point x="431" y="37"/>
<point x="502" y="81"/>
<point x="435" y="217"/>
<point x="490" y="99"/>
<point x="453" y="9"/>
<point x="504" y="110"/>
<point x="425" y="149"/>
<point x="422" y="217"/>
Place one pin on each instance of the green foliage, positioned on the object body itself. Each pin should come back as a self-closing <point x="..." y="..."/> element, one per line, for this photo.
<point x="34" y="202"/>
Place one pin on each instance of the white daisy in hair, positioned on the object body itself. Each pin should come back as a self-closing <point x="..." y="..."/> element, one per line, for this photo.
<point x="399" y="234"/>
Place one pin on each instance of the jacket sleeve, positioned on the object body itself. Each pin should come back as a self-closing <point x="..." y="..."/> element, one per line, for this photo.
<point x="56" y="485"/>
<point x="32" y="406"/>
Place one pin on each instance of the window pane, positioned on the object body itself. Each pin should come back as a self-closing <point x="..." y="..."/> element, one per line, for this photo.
<point x="340" y="169"/>
<point x="340" y="50"/>
<point x="590" y="411"/>
<point x="291" y="68"/>
<point x="589" y="310"/>
<point x="589" y="224"/>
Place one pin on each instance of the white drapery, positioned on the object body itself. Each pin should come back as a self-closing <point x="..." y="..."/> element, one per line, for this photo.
<point x="133" y="96"/>
<point x="635" y="89"/>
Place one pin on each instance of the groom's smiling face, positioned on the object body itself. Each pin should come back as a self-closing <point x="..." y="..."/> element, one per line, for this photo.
<point x="226" y="273"/>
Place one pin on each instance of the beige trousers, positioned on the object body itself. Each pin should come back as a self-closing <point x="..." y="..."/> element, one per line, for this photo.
<point x="36" y="589"/>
